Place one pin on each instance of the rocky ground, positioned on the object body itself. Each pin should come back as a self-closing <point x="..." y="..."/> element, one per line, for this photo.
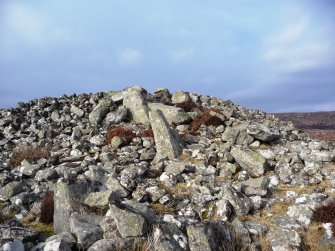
<point x="131" y="170"/>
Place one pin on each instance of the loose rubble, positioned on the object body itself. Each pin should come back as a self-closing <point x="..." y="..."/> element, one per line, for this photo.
<point x="130" y="170"/>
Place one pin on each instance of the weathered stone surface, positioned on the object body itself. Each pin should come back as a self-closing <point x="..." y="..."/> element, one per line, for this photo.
<point x="117" y="142"/>
<point x="284" y="239"/>
<point x="166" y="140"/>
<point x="210" y="236"/>
<point x="19" y="233"/>
<point x="249" y="160"/>
<point x="301" y="213"/>
<point x="56" y="245"/>
<point x="168" y="237"/>
<point x="263" y="133"/>
<point x="113" y="185"/>
<point x="98" y="140"/>
<point x="117" y="116"/>
<point x="100" y="111"/>
<point x="134" y="100"/>
<point x="173" y="115"/>
<point x="98" y="199"/>
<point x="241" y="203"/>
<point x="77" y="111"/>
<point x="15" y="245"/>
<point x="11" y="189"/>
<point x="128" y="223"/>
<point x="86" y="233"/>
<point x="256" y="186"/>
<point x="68" y="199"/>
<point x="181" y="97"/>
<point x="29" y="169"/>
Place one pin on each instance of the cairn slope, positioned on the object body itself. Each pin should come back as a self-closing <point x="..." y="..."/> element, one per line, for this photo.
<point x="131" y="170"/>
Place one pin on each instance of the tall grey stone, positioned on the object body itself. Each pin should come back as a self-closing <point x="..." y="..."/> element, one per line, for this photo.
<point x="67" y="199"/>
<point x="134" y="100"/>
<point x="167" y="141"/>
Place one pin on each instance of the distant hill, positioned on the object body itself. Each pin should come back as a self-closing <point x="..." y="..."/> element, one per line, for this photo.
<point x="319" y="125"/>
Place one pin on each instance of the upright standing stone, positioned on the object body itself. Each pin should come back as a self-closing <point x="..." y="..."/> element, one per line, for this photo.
<point x="167" y="141"/>
<point x="134" y="100"/>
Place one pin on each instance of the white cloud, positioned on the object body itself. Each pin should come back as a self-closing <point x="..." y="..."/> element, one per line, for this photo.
<point x="130" y="57"/>
<point x="291" y="33"/>
<point x="182" y="55"/>
<point x="23" y="24"/>
<point x="296" y="49"/>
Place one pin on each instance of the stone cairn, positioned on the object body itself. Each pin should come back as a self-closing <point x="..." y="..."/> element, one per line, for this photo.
<point x="130" y="170"/>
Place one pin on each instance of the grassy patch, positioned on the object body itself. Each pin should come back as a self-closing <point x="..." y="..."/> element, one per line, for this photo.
<point x="46" y="229"/>
<point x="29" y="153"/>
<point x="163" y="209"/>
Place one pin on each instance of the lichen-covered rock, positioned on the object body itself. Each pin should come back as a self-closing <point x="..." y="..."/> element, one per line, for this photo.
<point x="100" y="111"/>
<point x="301" y="213"/>
<point x="117" y="116"/>
<point x="134" y="100"/>
<point x="166" y="140"/>
<point x="168" y="237"/>
<point x="173" y="115"/>
<point x="11" y="189"/>
<point x="250" y="161"/>
<point x="129" y="224"/>
<point x="241" y="203"/>
<point x="210" y="236"/>
<point x="86" y="233"/>
<point x="263" y="133"/>
<point x="98" y="199"/>
<point x="181" y="97"/>
<point x="284" y="239"/>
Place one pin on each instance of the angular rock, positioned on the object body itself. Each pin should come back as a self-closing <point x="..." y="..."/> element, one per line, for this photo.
<point x="100" y="111"/>
<point x="19" y="233"/>
<point x="29" y="169"/>
<point x="241" y="203"/>
<point x="173" y="115"/>
<point x="77" y="111"/>
<point x="15" y="245"/>
<point x="129" y="224"/>
<point x="11" y="189"/>
<point x="263" y="133"/>
<point x="134" y="100"/>
<point x="250" y="161"/>
<point x="98" y="199"/>
<point x="113" y="184"/>
<point x="284" y="239"/>
<point x="301" y="213"/>
<point x="86" y="233"/>
<point x="256" y="186"/>
<point x="98" y="140"/>
<point x="180" y="97"/>
<point x="168" y="237"/>
<point x="117" y="116"/>
<point x="210" y="236"/>
<point x="56" y="245"/>
<point x="167" y="141"/>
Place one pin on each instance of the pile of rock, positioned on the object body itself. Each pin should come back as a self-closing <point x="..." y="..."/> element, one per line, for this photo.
<point x="181" y="187"/>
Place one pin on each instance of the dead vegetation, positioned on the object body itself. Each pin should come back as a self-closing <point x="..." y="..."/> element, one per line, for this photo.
<point x="29" y="153"/>
<point x="127" y="133"/>
<point x="206" y="119"/>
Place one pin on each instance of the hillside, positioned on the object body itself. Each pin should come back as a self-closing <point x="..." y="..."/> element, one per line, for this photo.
<point x="319" y="125"/>
<point x="132" y="170"/>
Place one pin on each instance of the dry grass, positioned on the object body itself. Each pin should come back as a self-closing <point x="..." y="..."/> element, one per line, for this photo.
<point x="313" y="236"/>
<point x="29" y="153"/>
<point x="163" y="209"/>
<point x="46" y="229"/>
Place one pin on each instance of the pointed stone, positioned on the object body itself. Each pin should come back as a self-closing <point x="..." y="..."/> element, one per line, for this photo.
<point x="166" y="139"/>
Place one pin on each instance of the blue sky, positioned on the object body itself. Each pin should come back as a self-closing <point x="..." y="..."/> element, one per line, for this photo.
<point x="269" y="55"/>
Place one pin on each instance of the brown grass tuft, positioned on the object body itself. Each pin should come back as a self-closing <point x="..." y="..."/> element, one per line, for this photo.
<point x="120" y="131"/>
<point x="163" y="209"/>
<point x="206" y="119"/>
<point x="47" y="209"/>
<point x="29" y="153"/>
<point x="147" y="133"/>
<point x="187" y="106"/>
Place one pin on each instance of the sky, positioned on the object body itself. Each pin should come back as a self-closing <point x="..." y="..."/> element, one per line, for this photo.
<point x="277" y="56"/>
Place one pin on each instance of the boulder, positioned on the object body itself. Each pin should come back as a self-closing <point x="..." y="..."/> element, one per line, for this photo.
<point x="173" y="115"/>
<point x="100" y="111"/>
<point x="262" y="132"/>
<point x="98" y="199"/>
<point x="117" y="116"/>
<point x="301" y="213"/>
<point x="86" y="233"/>
<point x="241" y="203"/>
<point x="129" y="223"/>
<point x="284" y="239"/>
<point x="181" y="97"/>
<point x="167" y="141"/>
<point x="250" y="161"/>
<point x="168" y="237"/>
<point x="134" y="100"/>
<point x="210" y="236"/>
<point x="11" y="189"/>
